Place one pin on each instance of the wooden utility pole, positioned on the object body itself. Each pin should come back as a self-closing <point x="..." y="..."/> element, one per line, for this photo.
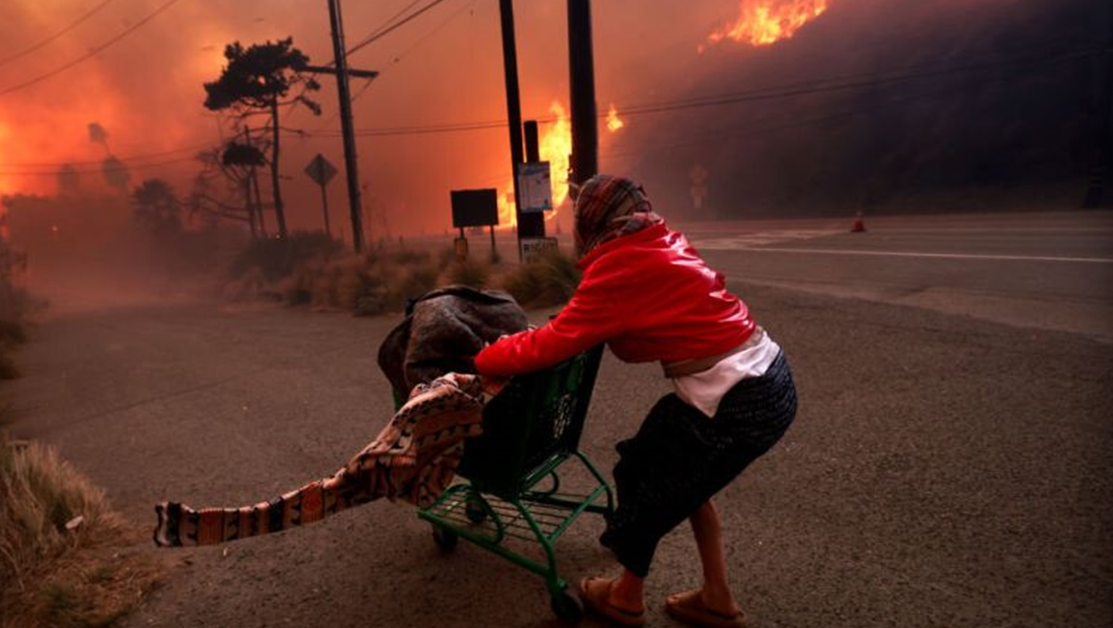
<point x="279" y="210"/>
<point x="342" y="73"/>
<point x="1100" y="123"/>
<point x="581" y="66"/>
<point x="255" y="186"/>
<point x="513" y="103"/>
<point x="249" y="201"/>
<point x="533" y="144"/>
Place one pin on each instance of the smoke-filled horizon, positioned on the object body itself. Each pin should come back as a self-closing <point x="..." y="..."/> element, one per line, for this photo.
<point x="145" y="93"/>
<point x="445" y="67"/>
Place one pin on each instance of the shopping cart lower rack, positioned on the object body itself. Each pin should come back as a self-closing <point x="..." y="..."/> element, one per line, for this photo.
<point x="530" y="429"/>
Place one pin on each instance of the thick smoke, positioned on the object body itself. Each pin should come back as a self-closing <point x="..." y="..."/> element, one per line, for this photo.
<point x="872" y="145"/>
<point x="913" y="133"/>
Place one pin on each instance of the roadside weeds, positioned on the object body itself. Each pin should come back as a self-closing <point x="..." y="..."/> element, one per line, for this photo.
<point x="66" y="559"/>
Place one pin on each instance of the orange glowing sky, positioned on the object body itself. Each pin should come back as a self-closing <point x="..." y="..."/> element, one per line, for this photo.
<point x="146" y="90"/>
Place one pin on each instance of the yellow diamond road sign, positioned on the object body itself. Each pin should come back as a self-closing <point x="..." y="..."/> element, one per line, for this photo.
<point x="320" y="170"/>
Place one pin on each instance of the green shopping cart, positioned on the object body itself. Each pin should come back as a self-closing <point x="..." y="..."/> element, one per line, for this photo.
<point x="530" y="429"/>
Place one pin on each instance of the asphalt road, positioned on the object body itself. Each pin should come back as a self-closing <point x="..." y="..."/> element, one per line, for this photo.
<point x="945" y="469"/>
<point x="1042" y="270"/>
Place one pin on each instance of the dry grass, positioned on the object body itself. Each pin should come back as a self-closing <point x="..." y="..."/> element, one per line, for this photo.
<point x="12" y="332"/>
<point x="372" y="283"/>
<point x="367" y="284"/>
<point x="252" y="285"/>
<point x="278" y="258"/>
<point x="8" y="368"/>
<point x="471" y="273"/>
<point x="16" y="307"/>
<point x="58" y="575"/>
<point x="384" y="280"/>
<point x="548" y="280"/>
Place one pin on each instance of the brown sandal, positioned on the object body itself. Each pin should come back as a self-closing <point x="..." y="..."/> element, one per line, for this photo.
<point x="595" y="593"/>
<point x="688" y="608"/>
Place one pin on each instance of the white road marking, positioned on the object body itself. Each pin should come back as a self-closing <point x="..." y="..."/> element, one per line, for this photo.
<point x="760" y="238"/>
<point x="1011" y="258"/>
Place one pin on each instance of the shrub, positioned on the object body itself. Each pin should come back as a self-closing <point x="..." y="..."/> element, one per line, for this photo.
<point x="372" y="283"/>
<point x="250" y="286"/>
<point x="8" y="369"/>
<point x="405" y="257"/>
<point x="446" y="257"/>
<point x="11" y="332"/>
<point x="278" y="258"/>
<point x="53" y="573"/>
<point x="549" y="279"/>
<point x="470" y="273"/>
<point x="39" y="494"/>
<point x="16" y="306"/>
<point x="411" y="284"/>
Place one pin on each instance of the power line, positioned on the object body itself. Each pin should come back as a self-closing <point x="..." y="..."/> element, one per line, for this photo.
<point x="367" y="84"/>
<point x="421" y="41"/>
<point x="126" y="158"/>
<point x="793" y="122"/>
<point x="330" y="64"/>
<point x="766" y="93"/>
<point x="129" y="167"/>
<point x="92" y="52"/>
<point x="390" y="20"/>
<point x="370" y="39"/>
<point x="72" y="25"/>
<point x="760" y="127"/>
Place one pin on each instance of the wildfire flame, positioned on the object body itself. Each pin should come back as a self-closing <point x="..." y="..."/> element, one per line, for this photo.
<point x="614" y="123"/>
<point x="764" y="22"/>
<point x="555" y="147"/>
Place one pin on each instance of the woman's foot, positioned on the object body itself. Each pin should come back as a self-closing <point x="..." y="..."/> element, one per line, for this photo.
<point x="692" y="607"/>
<point x="600" y="595"/>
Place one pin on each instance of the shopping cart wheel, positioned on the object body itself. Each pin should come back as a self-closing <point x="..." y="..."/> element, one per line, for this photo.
<point x="568" y="608"/>
<point x="444" y="538"/>
<point x="475" y="511"/>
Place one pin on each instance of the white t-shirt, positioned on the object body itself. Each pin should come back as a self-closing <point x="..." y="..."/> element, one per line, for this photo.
<point x="704" y="390"/>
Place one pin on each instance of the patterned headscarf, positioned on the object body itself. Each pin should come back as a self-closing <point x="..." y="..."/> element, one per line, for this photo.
<point x="608" y="207"/>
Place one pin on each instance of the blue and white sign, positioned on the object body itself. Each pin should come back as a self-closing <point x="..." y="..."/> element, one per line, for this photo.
<point x="535" y="185"/>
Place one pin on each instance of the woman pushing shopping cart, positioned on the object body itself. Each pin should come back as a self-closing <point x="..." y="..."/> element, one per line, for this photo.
<point x="648" y="295"/>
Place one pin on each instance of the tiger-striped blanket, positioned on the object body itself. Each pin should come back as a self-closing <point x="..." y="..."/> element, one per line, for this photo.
<point x="413" y="458"/>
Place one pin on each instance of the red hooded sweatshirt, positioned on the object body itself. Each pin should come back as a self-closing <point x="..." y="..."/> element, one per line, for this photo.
<point x="648" y="295"/>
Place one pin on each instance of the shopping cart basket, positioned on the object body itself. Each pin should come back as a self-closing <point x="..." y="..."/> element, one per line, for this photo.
<point x="530" y="429"/>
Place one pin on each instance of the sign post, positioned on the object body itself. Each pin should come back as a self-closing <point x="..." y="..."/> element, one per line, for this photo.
<point x="698" y="175"/>
<point x="321" y="171"/>
<point x="535" y="188"/>
<point x="474" y="208"/>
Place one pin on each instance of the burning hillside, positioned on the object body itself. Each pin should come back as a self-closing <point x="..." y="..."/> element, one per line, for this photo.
<point x="764" y="22"/>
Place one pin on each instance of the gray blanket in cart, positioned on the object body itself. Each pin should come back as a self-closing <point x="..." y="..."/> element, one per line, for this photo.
<point x="443" y="331"/>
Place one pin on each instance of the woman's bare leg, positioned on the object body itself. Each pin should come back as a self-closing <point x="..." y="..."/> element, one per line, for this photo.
<point x="707" y="529"/>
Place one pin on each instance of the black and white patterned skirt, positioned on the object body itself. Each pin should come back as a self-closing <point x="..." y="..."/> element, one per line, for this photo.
<point x="680" y="458"/>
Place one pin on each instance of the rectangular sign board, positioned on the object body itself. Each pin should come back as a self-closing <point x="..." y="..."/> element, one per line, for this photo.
<point x="533" y="247"/>
<point x="475" y="208"/>
<point x="535" y="185"/>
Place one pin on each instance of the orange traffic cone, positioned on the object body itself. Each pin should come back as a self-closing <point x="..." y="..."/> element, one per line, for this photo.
<point x="859" y="225"/>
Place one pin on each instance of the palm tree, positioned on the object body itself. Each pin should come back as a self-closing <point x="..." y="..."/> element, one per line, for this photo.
<point x="157" y="208"/>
